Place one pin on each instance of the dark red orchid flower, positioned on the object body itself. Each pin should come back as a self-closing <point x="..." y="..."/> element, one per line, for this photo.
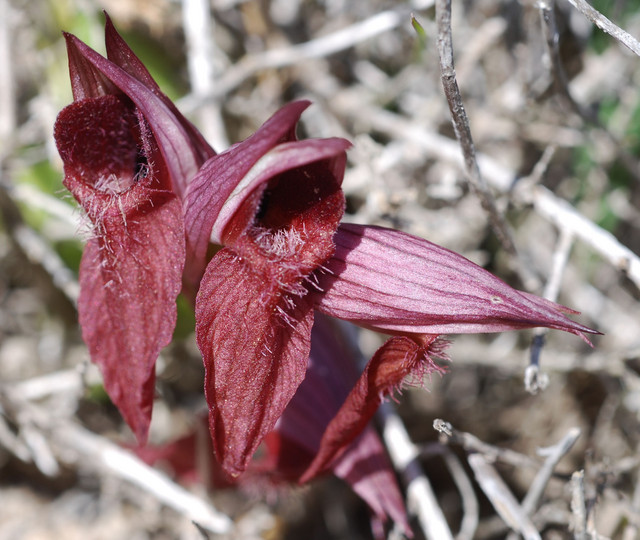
<point x="275" y="204"/>
<point x="158" y="196"/>
<point x="128" y="156"/>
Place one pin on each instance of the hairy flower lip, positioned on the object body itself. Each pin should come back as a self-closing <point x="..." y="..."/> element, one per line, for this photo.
<point x="243" y="171"/>
<point x="282" y="158"/>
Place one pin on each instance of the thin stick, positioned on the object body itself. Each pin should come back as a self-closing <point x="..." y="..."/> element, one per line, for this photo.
<point x="534" y="379"/>
<point x="471" y="443"/>
<point x="554" y="455"/>
<point x="205" y="64"/>
<point x="606" y="25"/>
<point x="578" y="506"/>
<point x="7" y="105"/>
<point x="69" y="441"/>
<point x="112" y="459"/>
<point x="470" y="506"/>
<point x="503" y="501"/>
<point x="461" y="125"/>
<point x="420" y="496"/>
<point x="287" y="56"/>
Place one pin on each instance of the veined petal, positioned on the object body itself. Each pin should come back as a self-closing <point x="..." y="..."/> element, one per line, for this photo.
<point x="130" y="277"/>
<point x="131" y="270"/>
<point x="92" y="75"/>
<point x="366" y="467"/>
<point x="254" y="338"/>
<point x="253" y="310"/>
<point x="394" y="282"/>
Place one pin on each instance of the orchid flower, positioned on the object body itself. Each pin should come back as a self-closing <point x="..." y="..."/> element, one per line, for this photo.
<point x="275" y="204"/>
<point x="128" y="156"/>
<point x="158" y="196"/>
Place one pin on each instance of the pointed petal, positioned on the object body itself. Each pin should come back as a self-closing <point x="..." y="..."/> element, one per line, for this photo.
<point x="219" y="176"/>
<point x="130" y="277"/>
<point x="385" y="372"/>
<point x="121" y="54"/>
<point x="394" y="282"/>
<point x="365" y="466"/>
<point x="255" y="340"/>
<point x="86" y="81"/>
<point x="93" y="76"/>
<point x="131" y="270"/>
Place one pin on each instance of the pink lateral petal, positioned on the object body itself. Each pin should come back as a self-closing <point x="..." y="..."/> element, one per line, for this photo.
<point x="255" y="340"/>
<point x="385" y="372"/>
<point x="130" y="277"/>
<point x="395" y="282"/>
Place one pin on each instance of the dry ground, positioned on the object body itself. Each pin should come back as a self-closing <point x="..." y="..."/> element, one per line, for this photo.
<point x="558" y="136"/>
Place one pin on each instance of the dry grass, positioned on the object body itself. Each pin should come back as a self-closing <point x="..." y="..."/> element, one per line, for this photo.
<point x="557" y="132"/>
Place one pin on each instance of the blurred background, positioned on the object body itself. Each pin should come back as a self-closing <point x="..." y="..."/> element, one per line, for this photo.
<point x="559" y="140"/>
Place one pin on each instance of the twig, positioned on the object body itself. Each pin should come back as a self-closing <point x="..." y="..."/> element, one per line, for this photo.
<point x="420" y="496"/>
<point x="7" y="105"/>
<point x="471" y="443"/>
<point x="552" y="37"/>
<point x="550" y="29"/>
<point x="534" y="379"/>
<point x="503" y="501"/>
<point x="554" y="455"/>
<point x="470" y="506"/>
<point x="606" y="25"/>
<point x="104" y="455"/>
<point x="101" y="455"/>
<point x="315" y="48"/>
<point x="578" y="506"/>
<point x="461" y="126"/>
<point x="205" y="64"/>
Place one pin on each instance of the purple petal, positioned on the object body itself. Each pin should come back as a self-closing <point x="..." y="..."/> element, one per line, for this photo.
<point x="121" y="54"/>
<point x="363" y="462"/>
<point x="254" y="339"/>
<point x="129" y="279"/>
<point x="394" y="282"/>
